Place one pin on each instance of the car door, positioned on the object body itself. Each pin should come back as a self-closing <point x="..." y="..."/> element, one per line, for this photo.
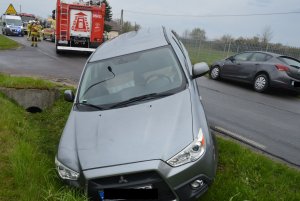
<point x="235" y="65"/>
<point x="256" y="61"/>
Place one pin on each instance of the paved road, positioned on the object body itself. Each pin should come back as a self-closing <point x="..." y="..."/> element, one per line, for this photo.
<point x="42" y="61"/>
<point x="270" y="121"/>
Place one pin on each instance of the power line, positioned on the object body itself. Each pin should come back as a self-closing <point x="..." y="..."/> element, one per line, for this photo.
<point x="219" y="15"/>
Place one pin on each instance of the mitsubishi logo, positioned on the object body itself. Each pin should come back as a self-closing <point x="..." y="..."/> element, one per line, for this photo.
<point x="122" y="180"/>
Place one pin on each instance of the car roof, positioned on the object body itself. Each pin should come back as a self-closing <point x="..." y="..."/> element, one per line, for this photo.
<point x="264" y="52"/>
<point x="131" y="42"/>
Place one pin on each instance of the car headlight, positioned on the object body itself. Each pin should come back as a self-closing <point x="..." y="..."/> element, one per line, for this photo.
<point x="191" y="153"/>
<point x="65" y="172"/>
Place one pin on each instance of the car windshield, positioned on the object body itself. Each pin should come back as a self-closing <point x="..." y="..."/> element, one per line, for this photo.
<point x="290" y="61"/>
<point x="27" y="18"/>
<point x="14" y="22"/>
<point x="119" y="79"/>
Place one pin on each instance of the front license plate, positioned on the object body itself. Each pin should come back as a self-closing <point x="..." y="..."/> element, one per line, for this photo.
<point x="128" y="194"/>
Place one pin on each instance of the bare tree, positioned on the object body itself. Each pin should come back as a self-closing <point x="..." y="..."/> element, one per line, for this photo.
<point x="267" y="35"/>
<point x="226" y="38"/>
<point x="198" y="34"/>
<point x="186" y="34"/>
<point x="128" y="26"/>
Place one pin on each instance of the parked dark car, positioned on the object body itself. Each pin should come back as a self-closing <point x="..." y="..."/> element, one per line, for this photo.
<point x="137" y="129"/>
<point x="262" y="69"/>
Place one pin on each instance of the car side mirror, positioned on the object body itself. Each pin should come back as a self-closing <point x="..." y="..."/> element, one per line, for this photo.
<point x="69" y="96"/>
<point x="232" y="59"/>
<point x="200" y="69"/>
<point x="4" y="24"/>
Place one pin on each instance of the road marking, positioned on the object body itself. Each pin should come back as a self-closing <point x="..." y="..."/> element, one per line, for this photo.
<point x="239" y="137"/>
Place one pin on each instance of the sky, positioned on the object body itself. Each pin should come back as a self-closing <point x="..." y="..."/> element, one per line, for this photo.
<point x="285" y="28"/>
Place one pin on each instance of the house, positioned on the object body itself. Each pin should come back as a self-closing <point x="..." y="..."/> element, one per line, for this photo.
<point x="115" y="29"/>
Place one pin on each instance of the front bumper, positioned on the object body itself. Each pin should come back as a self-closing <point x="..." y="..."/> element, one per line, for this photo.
<point x="15" y="32"/>
<point x="172" y="183"/>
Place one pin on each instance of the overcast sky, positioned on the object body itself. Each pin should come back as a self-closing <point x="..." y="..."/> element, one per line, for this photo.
<point x="286" y="28"/>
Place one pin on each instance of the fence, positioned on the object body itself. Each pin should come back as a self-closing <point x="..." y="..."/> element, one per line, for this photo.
<point x="211" y="51"/>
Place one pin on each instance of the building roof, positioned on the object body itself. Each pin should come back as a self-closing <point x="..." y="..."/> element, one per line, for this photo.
<point x="115" y="26"/>
<point x="130" y="42"/>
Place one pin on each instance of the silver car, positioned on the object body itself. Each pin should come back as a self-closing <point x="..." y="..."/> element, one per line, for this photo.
<point x="137" y="129"/>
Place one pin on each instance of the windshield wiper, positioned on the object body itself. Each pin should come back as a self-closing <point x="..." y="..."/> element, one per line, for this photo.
<point x="140" y="98"/>
<point x="110" y="70"/>
<point x="89" y="105"/>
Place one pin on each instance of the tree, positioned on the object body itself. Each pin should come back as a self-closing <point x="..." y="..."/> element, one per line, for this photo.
<point x="108" y="15"/>
<point x="186" y="34"/>
<point x="267" y="35"/>
<point x="226" y="38"/>
<point x="198" y="34"/>
<point x="127" y="27"/>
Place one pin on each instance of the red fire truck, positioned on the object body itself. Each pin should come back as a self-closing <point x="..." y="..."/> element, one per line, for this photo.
<point x="79" y="27"/>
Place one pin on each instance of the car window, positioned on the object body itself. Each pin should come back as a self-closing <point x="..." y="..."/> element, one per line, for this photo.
<point x="260" y="57"/>
<point x="137" y="74"/>
<point x="243" y="56"/>
<point x="290" y="61"/>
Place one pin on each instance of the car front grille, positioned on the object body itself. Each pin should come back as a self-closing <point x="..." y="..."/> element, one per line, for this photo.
<point x="126" y="181"/>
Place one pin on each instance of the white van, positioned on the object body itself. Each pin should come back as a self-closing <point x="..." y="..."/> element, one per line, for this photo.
<point x="12" y="25"/>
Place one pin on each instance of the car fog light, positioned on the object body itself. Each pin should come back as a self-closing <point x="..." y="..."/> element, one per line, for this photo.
<point x="197" y="184"/>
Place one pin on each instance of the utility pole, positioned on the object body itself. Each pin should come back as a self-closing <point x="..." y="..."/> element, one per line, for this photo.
<point x="20" y="8"/>
<point x="121" y="21"/>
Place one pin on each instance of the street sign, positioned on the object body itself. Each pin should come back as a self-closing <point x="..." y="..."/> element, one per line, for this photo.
<point x="10" y="10"/>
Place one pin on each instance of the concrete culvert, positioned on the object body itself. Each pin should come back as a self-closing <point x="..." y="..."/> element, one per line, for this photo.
<point x="34" y="110"/>
<point x="33" y="100"/>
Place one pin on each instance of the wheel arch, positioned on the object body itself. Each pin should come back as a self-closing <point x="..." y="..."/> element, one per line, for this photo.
<point x="261" y="72"/>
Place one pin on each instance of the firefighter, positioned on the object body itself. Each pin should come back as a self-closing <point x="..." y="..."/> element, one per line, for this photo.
<point x="29" y="29"/>
<point x="34" y="32"/>
<point x="39" y="26"/>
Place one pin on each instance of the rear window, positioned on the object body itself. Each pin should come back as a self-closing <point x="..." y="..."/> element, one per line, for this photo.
<point x="290" y="61"/>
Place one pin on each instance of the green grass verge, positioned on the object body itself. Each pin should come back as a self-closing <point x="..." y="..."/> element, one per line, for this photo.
<point x="28" y="143"/>
<point x="6" y="43"/>
<point x="24" y="82"/>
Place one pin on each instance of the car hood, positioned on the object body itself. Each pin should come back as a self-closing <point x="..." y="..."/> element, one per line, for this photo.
<point x="154" y="130"/>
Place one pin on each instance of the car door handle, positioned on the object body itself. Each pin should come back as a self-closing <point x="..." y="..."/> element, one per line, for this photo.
<point x="256" y="64"/>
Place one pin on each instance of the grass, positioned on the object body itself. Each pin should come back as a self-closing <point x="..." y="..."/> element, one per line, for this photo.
<point x="245" y="175"/>
<point x="24" y="82"/>
<point x="28" y="143"/>
<point x="6" y="43"/>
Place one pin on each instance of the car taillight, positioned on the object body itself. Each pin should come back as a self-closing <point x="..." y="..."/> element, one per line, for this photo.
<point x="281" y="67"/>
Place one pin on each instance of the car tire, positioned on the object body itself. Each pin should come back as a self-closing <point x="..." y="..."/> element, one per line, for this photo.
<point x="214" y="73"/>
<point x="261" y="83"/>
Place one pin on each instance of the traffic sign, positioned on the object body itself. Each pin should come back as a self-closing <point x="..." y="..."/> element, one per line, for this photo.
<point x="10" y="10"/>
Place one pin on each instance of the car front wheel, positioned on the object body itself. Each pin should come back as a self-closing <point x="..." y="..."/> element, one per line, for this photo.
<point x="215" y="73"/>
<point x="261" y="83"/>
